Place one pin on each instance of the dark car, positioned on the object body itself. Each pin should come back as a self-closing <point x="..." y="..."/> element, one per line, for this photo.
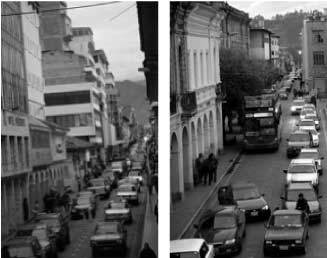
<point x="291" y="196"/>
<point x="100" y="186"/>
<point x="224" y="228"/>
<point x="23" y="247"/>
<point x="59" y="224"/>
<point x="110" y="236"/>
<point x="83" y="206"/>
<point x="287" y="230"/>
<point x="46" y="237"/>
<point x="118" y="211"/>
<point x="298" y="140"/>
<point x="247" y="197"/>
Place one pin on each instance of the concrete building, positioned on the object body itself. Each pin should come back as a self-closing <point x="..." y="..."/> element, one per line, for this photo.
<point x="314" y="53"/>
<point x="196" y="118"/>
<point x="15" y="136"/>
<point x="275" y="50"/>
<point x="260" y="44"/>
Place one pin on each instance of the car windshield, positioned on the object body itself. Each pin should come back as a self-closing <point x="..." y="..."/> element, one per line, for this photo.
<point x="309" y="155"/>
<point x="40" y="234"/>
<point x="107" y="229"/>
<point x="309" y="194"/>
<point x="185" y="255"/>
<point x="20" y="251"/>
<point x="298" y="103"/>
<point x="97" y="182"/>
<point x="83" y="201"/>
<point x="313" y="117"/>
<point x="302" y="169"/>
<point x="245" y="193"/>
<point x="134" y="173"/>
<point x="307" y="123"/>
<point x="224" y="221"/>
<point x="286" y="221"/>
<point x="118" y="205"/>
<point x="52" y="222"/>
<point x="127" y="188"/>
<point x="303" y="137"/>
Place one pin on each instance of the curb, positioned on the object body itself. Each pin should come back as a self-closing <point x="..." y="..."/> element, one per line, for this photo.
<point x="228" y="170"/>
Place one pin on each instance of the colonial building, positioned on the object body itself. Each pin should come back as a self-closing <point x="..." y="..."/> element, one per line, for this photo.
<point x="260" y="44"/>
<point x="314" y="53"/>
<point x="275" y="50"/>
<point x="196" y="118"/>
<point x="15" y="136"/>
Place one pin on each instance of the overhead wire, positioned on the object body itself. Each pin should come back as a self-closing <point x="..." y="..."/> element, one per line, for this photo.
<point x="122" y="12"/>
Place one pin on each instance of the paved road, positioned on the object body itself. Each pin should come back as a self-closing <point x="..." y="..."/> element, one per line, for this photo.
<point x="265" y="170"/>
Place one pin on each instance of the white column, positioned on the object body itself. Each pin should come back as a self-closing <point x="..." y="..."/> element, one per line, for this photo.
<point x="191" y="70"/>
<point x="180" y="160"/>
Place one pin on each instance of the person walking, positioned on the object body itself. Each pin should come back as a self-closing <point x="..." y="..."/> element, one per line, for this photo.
<point x="214" y="166"/>
<point x="156" y="211"/>
<point x="199" y="167"/>
<point x="147" y="252"/>
<point x="36" y="209"/>
<point x="205" y="171"/>
<point x="302" y="204"/>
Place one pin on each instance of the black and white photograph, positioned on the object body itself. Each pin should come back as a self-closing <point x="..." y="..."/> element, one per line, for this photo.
<point x="248" y="129"/>
<point x="79" y="129"/>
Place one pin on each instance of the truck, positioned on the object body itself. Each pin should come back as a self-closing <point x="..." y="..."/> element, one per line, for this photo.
<point x="261" y="122"/>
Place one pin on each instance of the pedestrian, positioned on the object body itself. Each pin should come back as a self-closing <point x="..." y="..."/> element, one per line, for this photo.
<point x="36" y="209"/>
<point x="86" y="214"/>
<point x="313" y="100"/>
<point x="156" y="211"/>
<point x="302" y="204"/>
<point x="147" y="252"/>
<point x="93" y="213"/>
<point x="199" y="167"/>
<point x="214" y="165"/>
<point x="205" y="171"/>
<point x="149" y="182"/>
<point x="46" y="202"/>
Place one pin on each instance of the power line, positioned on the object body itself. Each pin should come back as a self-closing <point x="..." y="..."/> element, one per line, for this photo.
<point x="123" y="11"/>
<point x="60" y="9"/>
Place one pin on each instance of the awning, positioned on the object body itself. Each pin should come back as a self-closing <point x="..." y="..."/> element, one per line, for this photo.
<point x="74" y="143"/>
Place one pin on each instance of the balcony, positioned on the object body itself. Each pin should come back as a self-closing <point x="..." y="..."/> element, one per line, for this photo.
<point x="188" y="104"/>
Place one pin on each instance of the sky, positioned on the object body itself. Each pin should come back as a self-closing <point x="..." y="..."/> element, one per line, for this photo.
<point x="268" y="9"/>
<point x="119" y="38"/>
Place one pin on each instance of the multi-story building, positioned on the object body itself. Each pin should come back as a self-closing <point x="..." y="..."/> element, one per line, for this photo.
<point x="15" y="136"/>
<point x="260" y="44"/>
<point x="196" y="118"/>
<point x="275" y="50"/>
<point x="314" y="53"/>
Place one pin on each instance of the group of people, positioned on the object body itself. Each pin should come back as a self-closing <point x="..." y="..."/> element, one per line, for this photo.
<point x="206" y="169"/>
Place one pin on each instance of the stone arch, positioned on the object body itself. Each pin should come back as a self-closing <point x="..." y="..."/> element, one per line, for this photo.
<point x="206" y="134"/>
<point x="200" y="136"/>
<point x="174" y="165"/>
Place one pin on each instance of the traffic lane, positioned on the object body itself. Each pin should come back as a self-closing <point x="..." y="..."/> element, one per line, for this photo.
<point x="82" y="230"/>
<point x="265" y="170"/>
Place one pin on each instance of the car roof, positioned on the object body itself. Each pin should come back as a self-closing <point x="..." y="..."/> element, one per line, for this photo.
<point x="26" y="240"/>
<point x="32" y="226"/>
<point x="127" y="184"/>
<point x="226" y="209"/>
<point x="105" y="223"/>
<point x="48" y="215"/>
<point x="302" y="161"/>
<point x="299" y="132"/>
<point x="309" y="151"/>
<point x="287" y="212"/>
<point x="186" y="245"/>
<point x="299" y="186"/>
<point x="307" y="120"/>
<point x="242" y="184"/>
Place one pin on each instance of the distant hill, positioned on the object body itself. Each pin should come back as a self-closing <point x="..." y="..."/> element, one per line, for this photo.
<point x="134" y="93"/>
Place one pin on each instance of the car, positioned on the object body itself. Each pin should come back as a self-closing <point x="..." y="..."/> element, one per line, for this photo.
<point x="108" y="236"/>
<point x="131" y="180"/>
<point x="291" y="196"/>
<point x="306" y="112"/>
<point x="82" y="207"/>
<point x="247" y="197"/>
<point x="302" y="170"/>
<point x="128" y="192"/>
<point x="112" y="177"/>
<point x="286" y="230"/>
<point x="224" y="228"/>
<point x="298" y="140"/>
<point x="137" y="165"/>
<point x="309" y="105"/>
<point x="315" y="119"/>
<point x="312" y="154"/>
<point x="283" y="94"/>
<point x="118" y="167"/>
<point x="297" y="106"/>
<point x="90" y="194"/>
<point x="136" y="175"/>
<point x="46" y="237"/>
<point x="191" y="248"/>
<point x="100" y="186"/>
<point x="23" y="247"/>
<point x="306" y="125"/>
<point x="315" y="138"/>
<point x="59" y="224"/>
<point x="118" y="211"/>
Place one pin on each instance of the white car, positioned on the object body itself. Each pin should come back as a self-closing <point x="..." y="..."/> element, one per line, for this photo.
<point x="315" y="119"/>
<point x="128" y="192"/>
<point x="302" y="170"/>
<point x="315" y="138"/>
<point x="312" y="154"/>
<point x="297" y="106"/>
<point x="137" y="175"/>
<point x="191" y="248"/>
<point x="306" y="125"/>
<point x="307" y="112"/>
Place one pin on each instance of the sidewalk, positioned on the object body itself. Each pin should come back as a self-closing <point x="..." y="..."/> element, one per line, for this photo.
<point x="181" y="212"/>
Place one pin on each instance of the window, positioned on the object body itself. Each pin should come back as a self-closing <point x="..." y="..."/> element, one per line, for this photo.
<point x="318" y="58"/>
<point x="317" y="36"/>
<point x="72" y="120"/>
<point x="195" y="69"/>
<point x="67" y="98"/>
<point x="40" y="139"/>
<point x="12" y="151"/>
<point x="20" y="150"/>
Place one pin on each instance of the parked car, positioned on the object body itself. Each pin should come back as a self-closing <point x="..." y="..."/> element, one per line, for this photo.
<point x="23" y="247"/>
<point x="298" y="140"/>
<point x="136" y="175"/>
<point x="315" y="119"/>
<point x="306" y="125"/>
<point x="59" y="224"/>
<point x="46" y="237"/>
<point x="118" y="211"/>
<point x="297" y="106"/>
<point x="100" y="186"/>
<point x="191" y="248"/>
<point x="286" y="230"/>
<point x="108" y="236"/>
<point x="302" y="170"/>
<point x="90" y="194"/>
<point x="83" y="207"/>
<point x="283" y="94"/>
<point x="117" y="167"/>
<point x="131" y="180"/>
<point x="224" y="228"/>
<point x="247" y="197"/>
<point x="312" y="154"/>
<point x="112" y="177"/>
<point x="307" y="112"/>
<point x="128" y="192"/>
<point x="315" y="138"/>
<point x="291" y="196"/>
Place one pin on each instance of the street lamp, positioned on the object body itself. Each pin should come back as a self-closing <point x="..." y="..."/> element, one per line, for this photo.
<point x="300" y="57"/>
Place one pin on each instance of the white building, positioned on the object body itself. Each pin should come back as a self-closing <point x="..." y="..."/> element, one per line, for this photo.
<point x="275" y="50"/>
<point x="196" y="118"/>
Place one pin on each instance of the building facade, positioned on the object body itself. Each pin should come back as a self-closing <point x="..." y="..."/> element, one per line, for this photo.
<point x="196" y="118"/>
<point x="260" y="44"/>
<point x="314" y="53"/>
<point x="275" y="50"/>
<point x="15" y="136"/>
